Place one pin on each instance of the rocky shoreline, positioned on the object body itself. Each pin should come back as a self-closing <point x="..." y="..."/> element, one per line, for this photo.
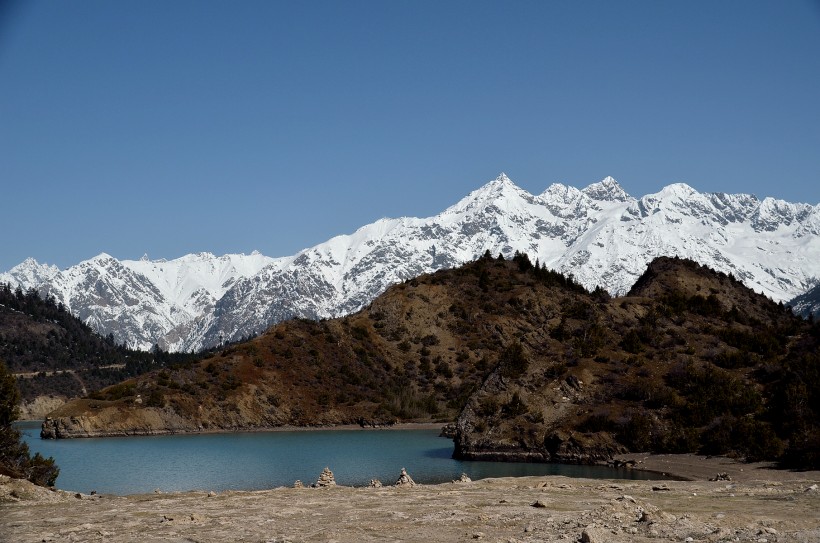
<point x="751" y="503"/>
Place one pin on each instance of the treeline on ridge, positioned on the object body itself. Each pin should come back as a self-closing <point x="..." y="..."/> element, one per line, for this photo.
<point x="39" y="336"/>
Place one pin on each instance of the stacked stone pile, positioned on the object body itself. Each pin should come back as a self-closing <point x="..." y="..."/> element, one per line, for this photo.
<point x="326" y="479"/>
<point x="405" y="479"/>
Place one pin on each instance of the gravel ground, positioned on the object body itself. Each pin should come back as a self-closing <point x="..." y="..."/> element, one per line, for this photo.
<point x="761" y="506"/>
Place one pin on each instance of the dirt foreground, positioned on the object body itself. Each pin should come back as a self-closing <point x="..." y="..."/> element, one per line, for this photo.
<point x="757" y="505"/>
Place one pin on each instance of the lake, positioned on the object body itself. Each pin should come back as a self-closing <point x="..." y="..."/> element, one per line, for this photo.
<point x="261" y="460"/>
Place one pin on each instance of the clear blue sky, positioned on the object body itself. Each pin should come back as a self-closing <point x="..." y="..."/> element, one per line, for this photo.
<point x="170" y="127"/>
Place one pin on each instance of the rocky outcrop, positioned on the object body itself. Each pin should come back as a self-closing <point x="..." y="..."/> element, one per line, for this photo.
<point x="115" y="421"/>
<point x="39" y="407"/>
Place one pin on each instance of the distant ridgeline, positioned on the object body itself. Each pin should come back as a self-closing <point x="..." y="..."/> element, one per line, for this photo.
<point x="531" y="365"/>
<point x="59" y="355"/>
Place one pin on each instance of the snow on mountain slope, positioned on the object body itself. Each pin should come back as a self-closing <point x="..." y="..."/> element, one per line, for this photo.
<point x="808" y="303"/>
<point x="599" y="234"/>
<point x="140" y="302"/>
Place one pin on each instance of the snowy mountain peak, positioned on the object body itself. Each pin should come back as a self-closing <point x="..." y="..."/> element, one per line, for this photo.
<point x="599" y="234"/>
<point x="561" y="193"/>
<point x="101" y="258"/>
<point x="28" y="273"/>
<point x="499" y="186"/>
<point x="680" y="191"/>
<point x="501" y="189"/>
<point x="607" y="190"/>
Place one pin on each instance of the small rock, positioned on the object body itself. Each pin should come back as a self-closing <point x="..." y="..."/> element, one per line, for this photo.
<point x="689" y="539"/>
<point x="645" y="517"/>
<point x="626" y="497"/>
<point x="538" y="504"/>
<point x="157" y="491"/>
<point x="464" y="479"/>
<point x="375" y="483"/>
<point x="593" y="535"/>
<point x="660" y="488"/>
<point x="195" y="517"/>
<point x="78" y="496"/>
<point x="478" y="535"/>
<point x="298" y="484"/>
<point x="211" y="494"/>
<point x="528" y="528"/>
<point x="723" y="476"/>
<point x="166" y="518"/>
<point x="812" y="488"/>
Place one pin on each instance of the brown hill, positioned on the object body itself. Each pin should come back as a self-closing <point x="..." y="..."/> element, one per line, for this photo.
<point x="538" y="368"/>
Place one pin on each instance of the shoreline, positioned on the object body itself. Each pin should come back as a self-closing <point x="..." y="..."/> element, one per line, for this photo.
<point x="684" y="467"/>
<point x="693" y="467"/>
<point x="534" y="509"/>
<point x="283" y="428"/>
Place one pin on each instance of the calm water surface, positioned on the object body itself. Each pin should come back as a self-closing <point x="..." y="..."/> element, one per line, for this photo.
<point x="260" y="460"/>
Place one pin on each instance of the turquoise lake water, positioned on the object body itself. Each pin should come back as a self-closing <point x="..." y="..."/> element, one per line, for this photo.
<point x="261" y="460"/>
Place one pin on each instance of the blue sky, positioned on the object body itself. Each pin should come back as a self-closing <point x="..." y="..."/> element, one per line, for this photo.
<point x="169" y="127"/>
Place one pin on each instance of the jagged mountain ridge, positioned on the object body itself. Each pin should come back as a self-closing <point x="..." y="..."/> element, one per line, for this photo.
<point x="600" y="235"/>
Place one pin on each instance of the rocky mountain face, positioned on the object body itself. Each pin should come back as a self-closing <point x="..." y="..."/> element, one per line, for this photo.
<point x="530" y="365"/>
<point x="808" y="303"/>
<point x="600" y="235"/>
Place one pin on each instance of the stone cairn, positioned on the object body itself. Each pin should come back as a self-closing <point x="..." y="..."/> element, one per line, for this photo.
<point x="463" y="479"/>
<point x="298" y="484"/>
<point x="405" y="479"/>
<point x="326" y="479"/>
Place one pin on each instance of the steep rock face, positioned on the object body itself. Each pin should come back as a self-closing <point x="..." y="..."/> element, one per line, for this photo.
<point x="600" y="235"/>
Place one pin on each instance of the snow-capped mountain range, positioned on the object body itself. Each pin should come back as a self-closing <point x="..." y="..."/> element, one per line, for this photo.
<point x="599" y="234"/>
